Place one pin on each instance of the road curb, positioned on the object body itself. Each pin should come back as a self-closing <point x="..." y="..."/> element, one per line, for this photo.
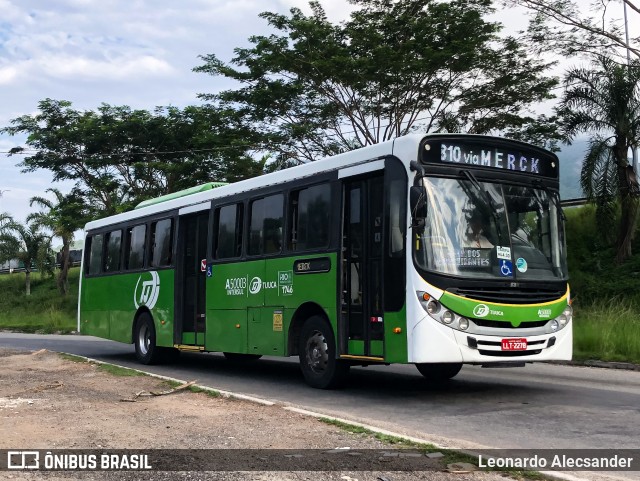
<point x="223" y="393"/>
<point x="559" y="476"/>
<point x="624" y="366"/>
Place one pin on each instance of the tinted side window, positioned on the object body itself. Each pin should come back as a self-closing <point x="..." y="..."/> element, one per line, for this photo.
<point x="114" y="244"/>
<point x="310" y="210"/>
<point x="265" y="231"/>
<point x="95" y="257"/>
<point x="229" y="234"/>
<point x="137" y="236"/>
<point x="161" y="242"/>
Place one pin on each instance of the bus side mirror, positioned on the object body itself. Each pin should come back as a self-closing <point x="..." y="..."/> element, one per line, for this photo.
<point x="418" y="202"/>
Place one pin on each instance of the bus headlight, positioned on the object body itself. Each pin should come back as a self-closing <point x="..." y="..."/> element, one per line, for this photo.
<point x="433" y="307"/>
<point x="447" y="317"/>
<point x="554" y="325"/>
<point x="463" y="323"/>
<point x="568" y="315"/>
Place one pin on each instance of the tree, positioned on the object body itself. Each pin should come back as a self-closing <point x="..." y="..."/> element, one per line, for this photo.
<point x="63" y="217"/>
<point x="396" y="66"/>
<point x="572" y="27"/>
<point x="24" y="242"/>
<point x="118" y="156"/>
<point x="605" y="100"/>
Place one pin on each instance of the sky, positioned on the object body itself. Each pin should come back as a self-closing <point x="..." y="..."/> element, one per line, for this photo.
<point x="135" y="52"/>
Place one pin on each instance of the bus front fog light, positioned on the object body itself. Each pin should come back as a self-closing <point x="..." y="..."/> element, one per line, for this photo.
<point x="554" y="325"/>
<point x="463" y="323"/>
<point x="447" y="317"/>
<point x="433" y="307"/>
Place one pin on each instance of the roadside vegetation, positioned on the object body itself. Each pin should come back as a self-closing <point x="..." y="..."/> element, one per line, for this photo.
<point x="606" y="299"/>
<point x="45" y="310"/>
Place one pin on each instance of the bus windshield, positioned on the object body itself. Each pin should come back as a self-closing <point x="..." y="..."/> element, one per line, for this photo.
<point x="491" y="230"/>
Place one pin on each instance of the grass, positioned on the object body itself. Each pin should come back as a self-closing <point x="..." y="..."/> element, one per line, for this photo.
<point x="450" y="456"/>
<point x="608" y="331"/>
<point x="119" y="371"/>
<point x="45" y="310"/>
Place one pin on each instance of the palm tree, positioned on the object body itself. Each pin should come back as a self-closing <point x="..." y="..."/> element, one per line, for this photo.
<point x="605" y="101"/>
<point x="25" y="242"/>
<point x="63" y="217"/>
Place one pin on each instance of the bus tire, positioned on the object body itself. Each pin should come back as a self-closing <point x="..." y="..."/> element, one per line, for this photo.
<point x="144" y="340"/>
<point x="317" y="352"/>
<point x="439" y="372"/>
<point x="239" y="357"/>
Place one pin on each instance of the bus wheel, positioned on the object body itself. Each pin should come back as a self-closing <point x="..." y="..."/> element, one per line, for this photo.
<point x="317" y="351"/>
<point x="145" y="340"/>
<point x="237" y="357"/>
<point x="439" y="371"/>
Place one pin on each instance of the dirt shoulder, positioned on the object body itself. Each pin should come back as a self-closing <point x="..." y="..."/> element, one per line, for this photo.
<point x="48" y="402"/>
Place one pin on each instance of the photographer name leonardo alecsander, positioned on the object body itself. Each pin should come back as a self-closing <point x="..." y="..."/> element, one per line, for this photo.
<point x="557" y="461"/>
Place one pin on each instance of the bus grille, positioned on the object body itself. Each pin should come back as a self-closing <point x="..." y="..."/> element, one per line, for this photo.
<point x="509" y="296"/>
<point x="509" y="353"/>
<point x="507" y="324"/>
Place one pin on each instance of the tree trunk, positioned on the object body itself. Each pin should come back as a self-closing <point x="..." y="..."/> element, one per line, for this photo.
<point x="629" y="209"/>
<point x="27" y="280"/>
<point x="63" y="281"/>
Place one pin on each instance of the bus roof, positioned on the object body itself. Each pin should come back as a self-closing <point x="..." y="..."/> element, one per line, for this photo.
<point x="347" y="159"/>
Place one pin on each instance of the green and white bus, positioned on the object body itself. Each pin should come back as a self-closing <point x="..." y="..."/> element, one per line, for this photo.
<point x="435" y="250"/>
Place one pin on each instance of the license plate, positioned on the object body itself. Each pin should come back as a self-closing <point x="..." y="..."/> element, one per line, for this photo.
<point x="514" y="344"/>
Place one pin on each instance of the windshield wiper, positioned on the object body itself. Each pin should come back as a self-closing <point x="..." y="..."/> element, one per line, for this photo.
<point x="488" y="199"/>
<point x="554" y="198"/>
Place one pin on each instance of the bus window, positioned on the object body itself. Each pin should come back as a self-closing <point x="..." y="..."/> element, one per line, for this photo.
<point x="112" y="259"/>
<point x="135" y="254"/>
<point x="95" y="256"/>
<point x="229" y="234"/>
<point x="161" y="243"/>
<point x="265" y="234"/>
<point x="310" y="217"/>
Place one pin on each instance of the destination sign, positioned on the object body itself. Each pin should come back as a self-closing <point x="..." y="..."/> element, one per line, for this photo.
<point x="500" y="155"/>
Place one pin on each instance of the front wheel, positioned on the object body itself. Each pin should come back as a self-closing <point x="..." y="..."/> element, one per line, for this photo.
<point x="439" y="372"/>
<point x="317" y="351"/>
<point x="145" y="340"/>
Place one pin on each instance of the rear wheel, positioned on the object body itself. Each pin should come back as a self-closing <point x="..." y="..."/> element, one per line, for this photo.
<point x="145" y="340"/>
<point x="439" y="371"/>
<point x="317" y="351"/>
<point x="237" y="357"/>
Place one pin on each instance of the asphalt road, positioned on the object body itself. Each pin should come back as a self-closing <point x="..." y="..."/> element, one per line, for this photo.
<point x="538" y="406"/>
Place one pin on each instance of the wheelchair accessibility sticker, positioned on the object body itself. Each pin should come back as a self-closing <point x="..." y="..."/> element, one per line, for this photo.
<point x="506" y="268"/>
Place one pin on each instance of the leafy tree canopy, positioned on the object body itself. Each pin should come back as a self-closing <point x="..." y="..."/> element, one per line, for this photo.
<point x="604" y="100"/>
<point x="394" y="67"/>
<point x="582" y="27"/>
<point x="119" y="156"/>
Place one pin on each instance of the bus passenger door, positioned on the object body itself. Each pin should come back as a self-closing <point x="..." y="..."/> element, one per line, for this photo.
<point x="191" y="279"/>
<point x="362" y="326"/>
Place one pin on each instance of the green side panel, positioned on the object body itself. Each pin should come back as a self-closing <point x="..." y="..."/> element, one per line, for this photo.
<point x="189" y="338"/>
<point x="108" y="304"/>
<point x="377" y="348"/>
<point x="395" y="344"/>
<point x="356" y="348"/>
<point x="181" y="193"/>
<point x="95" y="323"/>
<point x="226" y="330"/>
<point x="516" y="314"/>
<point x="200" y="339"/>
<point x="120" y="326"/>
<point x="266" y="331"/>
<point x="269" y="285"/>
